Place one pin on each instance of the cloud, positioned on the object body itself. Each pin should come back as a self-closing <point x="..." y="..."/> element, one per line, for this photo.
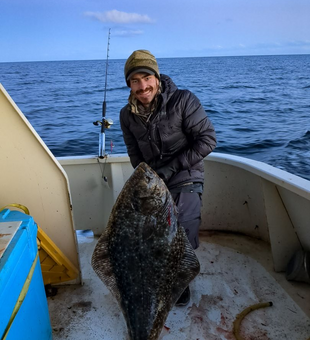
<point x="120" y="17"/>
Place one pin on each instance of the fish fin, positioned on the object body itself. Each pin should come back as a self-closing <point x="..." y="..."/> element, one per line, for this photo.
<point x="189" y="268"/>
<point x="102" y="265"/>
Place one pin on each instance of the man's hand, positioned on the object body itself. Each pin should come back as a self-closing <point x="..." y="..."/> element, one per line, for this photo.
<point x="165" y="173"/>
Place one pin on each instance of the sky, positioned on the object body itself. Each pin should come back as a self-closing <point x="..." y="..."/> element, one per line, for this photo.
<point x="44" y="30"/>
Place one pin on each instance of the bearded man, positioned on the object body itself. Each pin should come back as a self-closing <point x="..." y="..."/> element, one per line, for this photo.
<point x="168" y="129"/>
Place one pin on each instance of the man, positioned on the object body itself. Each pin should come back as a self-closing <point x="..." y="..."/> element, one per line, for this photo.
<point x="169" y="130"/>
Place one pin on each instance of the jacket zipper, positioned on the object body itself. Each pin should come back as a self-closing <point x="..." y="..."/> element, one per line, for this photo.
<point x="161" y="144"/>
<point x="149" y="137"/>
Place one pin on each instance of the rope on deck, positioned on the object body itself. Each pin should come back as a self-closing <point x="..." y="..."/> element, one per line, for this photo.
<point x="241" y="316"/>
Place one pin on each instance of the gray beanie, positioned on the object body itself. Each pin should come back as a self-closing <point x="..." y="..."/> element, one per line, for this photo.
<point x="140" y="61"/>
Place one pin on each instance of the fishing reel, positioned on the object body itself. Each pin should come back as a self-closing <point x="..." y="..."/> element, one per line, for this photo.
<point x="105" y="122"/>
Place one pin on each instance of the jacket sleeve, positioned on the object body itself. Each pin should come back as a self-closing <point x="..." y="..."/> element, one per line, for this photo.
<point x="200" y="135"/>
<point x="199" y="131"/>
<point x="131" y="143"/>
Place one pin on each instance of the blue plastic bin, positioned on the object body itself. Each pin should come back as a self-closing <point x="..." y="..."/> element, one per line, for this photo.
<point x="32" y="320"/>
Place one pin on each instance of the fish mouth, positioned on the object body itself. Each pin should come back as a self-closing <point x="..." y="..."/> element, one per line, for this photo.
<point x="144" y="167"/>
<point x="148" y="184"/>
<point x="147" y="169"/>
<point x="148" y="174"/>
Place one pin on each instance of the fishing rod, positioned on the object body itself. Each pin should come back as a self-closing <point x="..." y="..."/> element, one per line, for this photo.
<point x="104" y="123"/>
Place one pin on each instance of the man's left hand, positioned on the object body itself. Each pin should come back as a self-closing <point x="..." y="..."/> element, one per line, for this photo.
<point x="165" y="173"/>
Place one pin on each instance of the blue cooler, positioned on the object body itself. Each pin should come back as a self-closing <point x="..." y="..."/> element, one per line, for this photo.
<point x="23" y="304"/>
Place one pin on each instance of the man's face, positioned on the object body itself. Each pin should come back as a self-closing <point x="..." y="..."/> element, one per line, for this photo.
<point x="144" y="87"/>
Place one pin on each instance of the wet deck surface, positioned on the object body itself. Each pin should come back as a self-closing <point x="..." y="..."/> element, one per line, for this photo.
<point x="229" y="282"/>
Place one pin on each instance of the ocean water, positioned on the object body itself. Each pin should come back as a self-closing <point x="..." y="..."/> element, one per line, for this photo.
<point x="259" y="105"/>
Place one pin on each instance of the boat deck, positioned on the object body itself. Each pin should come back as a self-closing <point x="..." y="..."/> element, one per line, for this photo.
<point x="230" y="281"/>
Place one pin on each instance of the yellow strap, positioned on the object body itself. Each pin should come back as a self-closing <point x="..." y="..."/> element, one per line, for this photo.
<point x="21" y="297"/>
<point x="17" y="205"/>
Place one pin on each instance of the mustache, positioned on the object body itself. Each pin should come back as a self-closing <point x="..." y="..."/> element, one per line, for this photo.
<point x="149" y="88"/>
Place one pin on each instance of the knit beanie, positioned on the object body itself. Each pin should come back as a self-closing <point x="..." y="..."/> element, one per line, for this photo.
<point x="140" y="61"/>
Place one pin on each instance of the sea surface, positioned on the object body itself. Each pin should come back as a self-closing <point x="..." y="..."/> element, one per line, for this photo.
<point x="259" y="105"/>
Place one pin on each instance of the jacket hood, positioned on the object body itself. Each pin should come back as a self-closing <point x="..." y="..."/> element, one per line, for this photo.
<point x="168" y="88"/>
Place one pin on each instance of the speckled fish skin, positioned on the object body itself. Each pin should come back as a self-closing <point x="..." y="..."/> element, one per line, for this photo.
<point x="144" y="256"/>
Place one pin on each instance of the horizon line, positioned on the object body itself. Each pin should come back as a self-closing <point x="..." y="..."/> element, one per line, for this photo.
<point x="158" y="58"/>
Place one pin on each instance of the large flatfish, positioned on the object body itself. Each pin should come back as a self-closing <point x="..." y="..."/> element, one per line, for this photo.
<point x="144" y="256"/>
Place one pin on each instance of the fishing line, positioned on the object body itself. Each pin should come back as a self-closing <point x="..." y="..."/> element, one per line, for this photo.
<point x="102" y="169"/>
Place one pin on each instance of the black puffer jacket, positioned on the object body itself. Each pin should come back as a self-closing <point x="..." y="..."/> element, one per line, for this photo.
<point x="175" y="140"/>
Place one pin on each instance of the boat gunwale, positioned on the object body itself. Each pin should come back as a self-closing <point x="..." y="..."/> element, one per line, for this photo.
<point x="282" y="178"/>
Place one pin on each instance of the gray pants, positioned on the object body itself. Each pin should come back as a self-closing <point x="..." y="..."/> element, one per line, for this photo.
<point x="189" y="206"/>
